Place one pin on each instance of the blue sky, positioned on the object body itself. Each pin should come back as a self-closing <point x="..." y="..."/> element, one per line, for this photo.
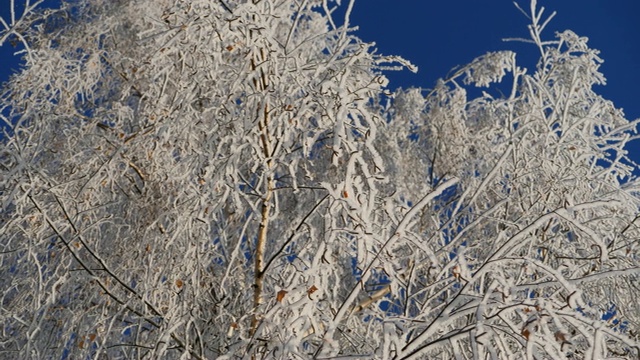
<point x="438" y="35"/>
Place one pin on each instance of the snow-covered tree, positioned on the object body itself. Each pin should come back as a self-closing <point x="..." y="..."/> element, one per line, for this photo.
<point x="231" y="179"/>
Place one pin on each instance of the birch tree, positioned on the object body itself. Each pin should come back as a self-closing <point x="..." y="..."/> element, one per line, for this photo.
<point x="232" y="179"/>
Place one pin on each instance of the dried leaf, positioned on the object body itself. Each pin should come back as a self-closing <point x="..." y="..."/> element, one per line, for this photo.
<point x="456" y="272"/>
<point x="312" y="289"/>
<point x="281" y="295"/>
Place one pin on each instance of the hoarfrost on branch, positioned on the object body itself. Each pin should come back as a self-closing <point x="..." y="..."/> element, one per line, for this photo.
<point x="222" y="179"/>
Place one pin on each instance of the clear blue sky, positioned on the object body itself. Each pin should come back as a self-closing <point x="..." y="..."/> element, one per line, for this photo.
<point x="438" y="35"/>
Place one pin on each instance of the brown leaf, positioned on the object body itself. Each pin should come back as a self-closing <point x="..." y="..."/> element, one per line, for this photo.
<point x="281" y="295"/>
<point x="312" y="289"/>
<point x="345" y="194"/>
<point x="456" y="272"/>
<point x="526" y="333"/>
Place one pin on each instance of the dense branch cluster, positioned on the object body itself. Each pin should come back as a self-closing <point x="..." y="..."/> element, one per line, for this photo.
<point x="207" y="179"/>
